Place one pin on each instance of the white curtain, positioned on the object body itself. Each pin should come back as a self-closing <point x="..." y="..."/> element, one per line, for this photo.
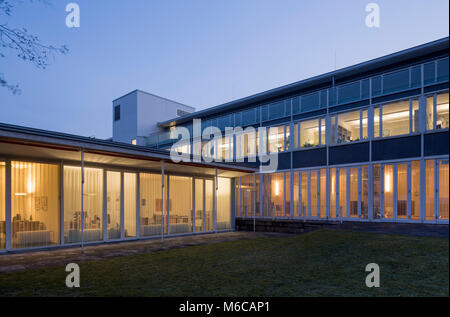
<point x="34" y="204"/>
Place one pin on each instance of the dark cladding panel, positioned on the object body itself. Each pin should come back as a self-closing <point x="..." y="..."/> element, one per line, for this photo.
<point x="397" y="148"/>
<point x="310" y="158"/>
<point x="436" y="143"/>
<point x="284" y="161"/>
<point x="350" y="153"/>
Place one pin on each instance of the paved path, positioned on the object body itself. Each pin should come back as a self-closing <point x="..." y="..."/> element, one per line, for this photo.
<point x="31" y="260"/>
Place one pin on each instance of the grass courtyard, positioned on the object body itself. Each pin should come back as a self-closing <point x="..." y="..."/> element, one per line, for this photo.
<point x="319" y="263"/>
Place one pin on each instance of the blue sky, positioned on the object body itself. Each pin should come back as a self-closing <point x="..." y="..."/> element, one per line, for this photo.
<point x="198" y="52"/>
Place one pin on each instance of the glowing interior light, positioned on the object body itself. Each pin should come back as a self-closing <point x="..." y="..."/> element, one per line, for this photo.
<point x="30" y="187"/>
<point x="277" y="188"/>
<point x="387" y="183"/>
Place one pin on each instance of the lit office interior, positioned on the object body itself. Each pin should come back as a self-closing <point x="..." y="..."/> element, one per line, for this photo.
<point x="110" y="201"/>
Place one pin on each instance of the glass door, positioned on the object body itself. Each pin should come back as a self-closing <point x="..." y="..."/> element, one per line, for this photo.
<point x="113" y="204"/>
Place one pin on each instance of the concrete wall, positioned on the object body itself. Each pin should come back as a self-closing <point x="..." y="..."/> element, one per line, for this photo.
<point x="125" y="129"/>
<point x="140" y="114"/>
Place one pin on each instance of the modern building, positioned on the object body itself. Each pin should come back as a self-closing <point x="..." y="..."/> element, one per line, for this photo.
<point x="367" y="143"/>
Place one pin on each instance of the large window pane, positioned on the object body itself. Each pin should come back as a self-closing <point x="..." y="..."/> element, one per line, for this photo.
<point x="348" y="129"/>
<point x="209" y="204"/>
<point x="310" y="102"/>
<point x="323" y="193"/>
<point x="415" y="115"/>
<point x="443" y="189"/>
<point x="277" y="194"/>
<point x="113" y="204"/>
<point x="129" y="180"/>
<point x="429" y="190"/>
<point x="349" y="92"/>
<point x="223" y="203"/>
<point x="402" y="188"/>
<point x="395" y="118"/>
<point x="296" y="194"/>
<point x="314" y="193"/>
<point x="199" y="205"/>
<point x="276" y="110"/>
<point x="388" y="191"/>
<point x="442" y="111"/>
<point x="266" y="196"/>
<point x="180" y="204"/>
<point x="151" y="204"/>
<point x="365" y="192"/>
<point x="354" y="192"/>
<point x="396" y="81"/>
<point x="287" y="186"/>
<point x="365" y="124"/>
<point x="309" y="133"/>
<point x="247" y="195"/>
<point x="276" y="139"/>
<point x="34" y="204"/>
<point x="376" y="191"/>
<point x="442" y="69"/>
<point x="304" y="194"/>
<point x="343" y="192"/>
<point x="2" y="207"/>
<point x="333" y="193"/>
<point x="430" y="113"/>
<point x="376" y="122"/>
<point x="415" y="190"/>
<point x="92" y="204"/>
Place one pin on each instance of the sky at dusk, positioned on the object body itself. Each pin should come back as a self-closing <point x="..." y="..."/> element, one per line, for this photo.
<point x="198" y="52"/>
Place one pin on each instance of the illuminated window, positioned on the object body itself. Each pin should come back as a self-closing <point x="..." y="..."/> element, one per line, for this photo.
<point x="376" y="122"/>
<point x="376" y="182"/>
<point x="333" y="193"/>
<point x="304" y="194"/>
<point x="388" y="191"/>
<point x="151" y="204"/>
<point x="349" y="127"/>
<point x="402" y="187"/>
<point x="129" y="202"/>
<point x="2" y="207"/>
<point x="415" y="115"/>
<point x="223" y="203"/>
<point x="429" y="189"/>
<point x="92" y="204"/>
<point x="442" y="111"/>
<point x="134" y="142"/>
<point x="430" y="113"/>
<point x="276" y="194"/>
<point x="314" y="193"/>
<point x="309" y="133"/>
<point x="443" y="190"/>
<point x="113" y="203"/>
<point x="276" y="139"/>
<point x="415" y="190"/>
<point x="343" y="192"/>
<point x="395" y="118"/>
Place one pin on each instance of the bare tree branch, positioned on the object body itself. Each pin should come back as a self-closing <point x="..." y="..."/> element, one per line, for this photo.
<point x="27" y="46"/>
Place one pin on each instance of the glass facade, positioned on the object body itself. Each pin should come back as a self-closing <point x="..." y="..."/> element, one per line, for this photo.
<point x="113" y="204"/>
<point x="180" y="204"/>
<point x="92" y="204"/>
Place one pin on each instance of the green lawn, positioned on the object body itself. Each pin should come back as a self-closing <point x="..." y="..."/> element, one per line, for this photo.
<point x="318" y="263"/>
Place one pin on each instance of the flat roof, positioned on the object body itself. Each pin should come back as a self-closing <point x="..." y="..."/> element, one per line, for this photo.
<point x="341" y="74"/>
<point x="22" y="142"/>
<point x="153" y="95"/>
